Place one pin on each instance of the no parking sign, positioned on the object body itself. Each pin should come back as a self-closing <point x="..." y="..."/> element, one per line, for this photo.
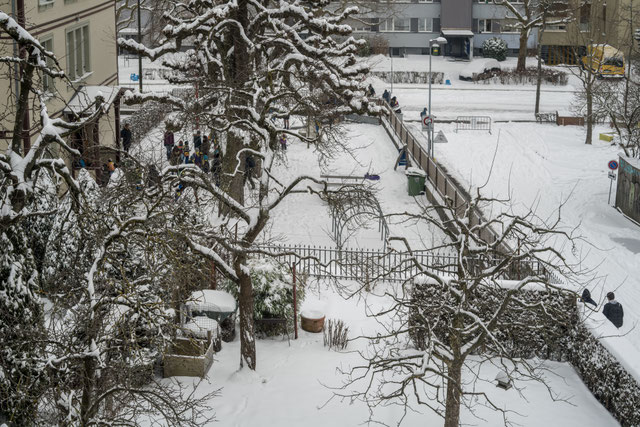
<point x="613" y="165"/>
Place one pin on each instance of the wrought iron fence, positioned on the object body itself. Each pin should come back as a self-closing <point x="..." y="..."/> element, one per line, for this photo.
<point x="371" y="265"/>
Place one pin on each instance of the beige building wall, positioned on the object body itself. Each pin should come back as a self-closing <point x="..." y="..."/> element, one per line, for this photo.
<point x="607" y="21"/>
<point x="52" y="22"/>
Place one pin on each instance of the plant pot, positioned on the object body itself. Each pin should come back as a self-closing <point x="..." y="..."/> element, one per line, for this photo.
<point x="312" y="321"/>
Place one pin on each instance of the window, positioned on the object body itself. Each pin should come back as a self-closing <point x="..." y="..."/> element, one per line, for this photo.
<point x="78" y="56"/>
<point x="402" y="24"/>
<point x="510" y="26"/>
<point x="47" y="81"/>
<point x="425" y="25"/>
<point x="361" y="25"/>
<point x="44" y="4"/>
<point x="386" y="25"/>
<point x="484" y="26"/>
<point x="556" y="27"/>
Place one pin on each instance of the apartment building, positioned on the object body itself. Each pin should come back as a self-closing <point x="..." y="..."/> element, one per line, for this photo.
<point x="598" y="21"/>
<point x="82" y="35"/>
<point x="466" y="24"/>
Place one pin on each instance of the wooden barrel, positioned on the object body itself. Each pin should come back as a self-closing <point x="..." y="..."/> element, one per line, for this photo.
<point x="312" y="321"/>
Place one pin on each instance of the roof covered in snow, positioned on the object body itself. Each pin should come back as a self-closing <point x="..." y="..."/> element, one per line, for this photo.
<point x="86" y="95"/>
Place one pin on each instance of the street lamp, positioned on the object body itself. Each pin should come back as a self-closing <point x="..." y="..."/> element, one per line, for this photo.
<point x="432" y="43"/>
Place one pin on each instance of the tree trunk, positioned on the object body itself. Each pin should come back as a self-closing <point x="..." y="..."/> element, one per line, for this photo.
<point x="247" y="327"/>
<point x="522" y="52"/>
<point x="589" y="119"/>
<point x="539" y="78"/>
<point x="88" y="386"/>
<point x="454" y="395"/>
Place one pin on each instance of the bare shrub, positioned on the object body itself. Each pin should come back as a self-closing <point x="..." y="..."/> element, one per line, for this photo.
<point x="335" y="334"/>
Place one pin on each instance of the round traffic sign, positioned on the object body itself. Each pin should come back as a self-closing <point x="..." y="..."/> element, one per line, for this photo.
<point x="426" y="120"/>
<point x="613" y="165"/>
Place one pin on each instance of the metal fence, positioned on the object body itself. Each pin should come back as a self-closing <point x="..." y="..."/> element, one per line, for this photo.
<point x="369" y="265"/>
<point x="473" y="123"/>
<point x="439" y="179"/>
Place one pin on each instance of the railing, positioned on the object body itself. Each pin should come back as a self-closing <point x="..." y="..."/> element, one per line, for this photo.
<point x="444" y="185"/>
<point x="473" y="123"/>
<point x="371" y="265"/>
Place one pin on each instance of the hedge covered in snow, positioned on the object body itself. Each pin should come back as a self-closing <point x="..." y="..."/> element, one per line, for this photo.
<point x="416" y="77"/>
<point x="527" y="333"/>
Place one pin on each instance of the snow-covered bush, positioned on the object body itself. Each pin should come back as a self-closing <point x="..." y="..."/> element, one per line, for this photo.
<point x="272" y="289"/>
<point x="495" y="48"/>
<point x="522" y="331"/>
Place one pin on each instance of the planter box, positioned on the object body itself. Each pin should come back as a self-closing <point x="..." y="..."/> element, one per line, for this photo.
<point x="189" y="358"/>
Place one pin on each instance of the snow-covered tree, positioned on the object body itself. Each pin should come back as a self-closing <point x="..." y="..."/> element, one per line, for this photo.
<point x="26" y="168"/>
<point x="112" y="314"/>
<point x="531" y="14"/>
<point x="493" y="293"/>
<point x="253" y="64"/>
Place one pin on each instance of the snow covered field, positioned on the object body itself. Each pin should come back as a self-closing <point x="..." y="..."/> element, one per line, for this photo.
<point x="538" y="165"/>
<point x="294" y="381"/>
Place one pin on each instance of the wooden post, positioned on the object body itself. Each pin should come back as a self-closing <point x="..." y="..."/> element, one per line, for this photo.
<point x="295" y="303"/>
<point x="214" y="279"/>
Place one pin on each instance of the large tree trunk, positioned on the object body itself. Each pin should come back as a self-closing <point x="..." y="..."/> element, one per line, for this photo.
<point x="245" y="305"/>
<point x="522" y="52"/>
<point x="454" y="395"/>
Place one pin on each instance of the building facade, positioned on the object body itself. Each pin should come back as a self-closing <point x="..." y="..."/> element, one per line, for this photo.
<point x="82" y="35"/>
<point x="408" y="27"/>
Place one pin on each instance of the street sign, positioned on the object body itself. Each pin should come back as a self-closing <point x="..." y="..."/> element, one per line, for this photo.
<point x="440" y="138"/>
<point x="612" y="175"/>
<point x="426" y="120"/>
<point x="613" y="165"/>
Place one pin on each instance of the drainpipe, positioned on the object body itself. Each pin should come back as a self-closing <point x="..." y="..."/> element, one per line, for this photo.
<point x="26" y="139"/>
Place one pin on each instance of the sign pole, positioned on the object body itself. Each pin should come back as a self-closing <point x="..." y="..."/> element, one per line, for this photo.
<point x="610" y="185"/>
<point x="613" y="165"/>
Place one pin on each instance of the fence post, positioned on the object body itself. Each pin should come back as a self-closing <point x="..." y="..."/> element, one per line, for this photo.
<point x="295" y="303"/>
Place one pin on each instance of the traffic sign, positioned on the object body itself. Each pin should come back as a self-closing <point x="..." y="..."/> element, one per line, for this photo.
<point x="612" y="175"/>
<point x="426" y="120"/>
<point x="613" y="165"/>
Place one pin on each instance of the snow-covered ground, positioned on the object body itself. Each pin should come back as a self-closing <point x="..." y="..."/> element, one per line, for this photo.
<point x="294" y="383"/>
<point x="542" y="166"/>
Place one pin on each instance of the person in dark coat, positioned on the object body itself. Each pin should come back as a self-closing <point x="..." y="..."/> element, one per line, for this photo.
<point x="386" y="95"/>
<point x="586" y="298"/>
<point x="249" y="165"/>
<point x="197" y="140"/>
<point x="168" y="142"/>
<point x="371" y="90"/>
<point x="175" y="156"/>
<point x="286" y="121"/>
<point x="126" y="135"/>
<point x="613" y="310"/>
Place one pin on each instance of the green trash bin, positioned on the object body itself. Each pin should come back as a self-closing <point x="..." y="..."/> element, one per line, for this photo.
<point x="435" y="50"/>
<point x="416" y="179"/>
